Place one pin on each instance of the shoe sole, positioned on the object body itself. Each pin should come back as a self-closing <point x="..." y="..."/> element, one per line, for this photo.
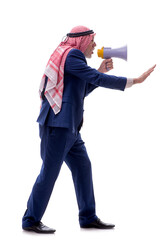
<point x="36" y="231"/>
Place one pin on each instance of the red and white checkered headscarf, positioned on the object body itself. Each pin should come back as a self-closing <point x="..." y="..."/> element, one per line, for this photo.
<point x="55" y="67"/>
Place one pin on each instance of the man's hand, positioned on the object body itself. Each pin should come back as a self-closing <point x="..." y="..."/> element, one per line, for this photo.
<point x="144" y="75"/>
<point x="106" y="65"/>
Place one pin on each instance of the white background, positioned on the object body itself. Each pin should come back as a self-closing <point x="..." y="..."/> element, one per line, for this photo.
<point x="121" y="129"/>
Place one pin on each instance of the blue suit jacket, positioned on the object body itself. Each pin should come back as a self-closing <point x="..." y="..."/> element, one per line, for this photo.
<point x="79" y="81"/>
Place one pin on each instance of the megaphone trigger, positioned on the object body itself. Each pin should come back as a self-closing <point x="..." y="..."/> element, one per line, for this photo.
<point x="107" y="68"/>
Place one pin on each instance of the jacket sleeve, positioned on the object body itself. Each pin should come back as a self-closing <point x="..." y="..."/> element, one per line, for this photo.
<point x="76" y="65"/>
<point x="90" y="87"/>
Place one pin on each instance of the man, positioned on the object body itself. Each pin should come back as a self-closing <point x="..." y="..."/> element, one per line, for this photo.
<point x="66" y="82"/>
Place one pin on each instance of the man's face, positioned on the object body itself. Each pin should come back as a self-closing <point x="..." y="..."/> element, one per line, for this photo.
<point x="89" y="51"/>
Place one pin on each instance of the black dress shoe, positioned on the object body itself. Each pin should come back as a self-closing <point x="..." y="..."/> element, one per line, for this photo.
<point x="99" y="224"/>
<point x="39" y="228"/>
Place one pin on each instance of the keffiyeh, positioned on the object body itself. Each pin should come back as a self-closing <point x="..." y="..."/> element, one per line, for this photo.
<point x="55" y="67"/>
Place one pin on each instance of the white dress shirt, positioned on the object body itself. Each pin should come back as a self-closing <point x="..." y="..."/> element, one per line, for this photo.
<point x="129" y="82"/>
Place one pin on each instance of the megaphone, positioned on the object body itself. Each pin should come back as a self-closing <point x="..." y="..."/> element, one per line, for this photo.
<point x="107" y="52"/>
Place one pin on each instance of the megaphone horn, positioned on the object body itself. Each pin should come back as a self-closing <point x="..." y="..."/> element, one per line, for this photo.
<point x="106" y="52"/>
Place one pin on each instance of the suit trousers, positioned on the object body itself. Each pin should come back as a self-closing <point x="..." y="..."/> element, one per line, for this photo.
<point x="58" y="145"/>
